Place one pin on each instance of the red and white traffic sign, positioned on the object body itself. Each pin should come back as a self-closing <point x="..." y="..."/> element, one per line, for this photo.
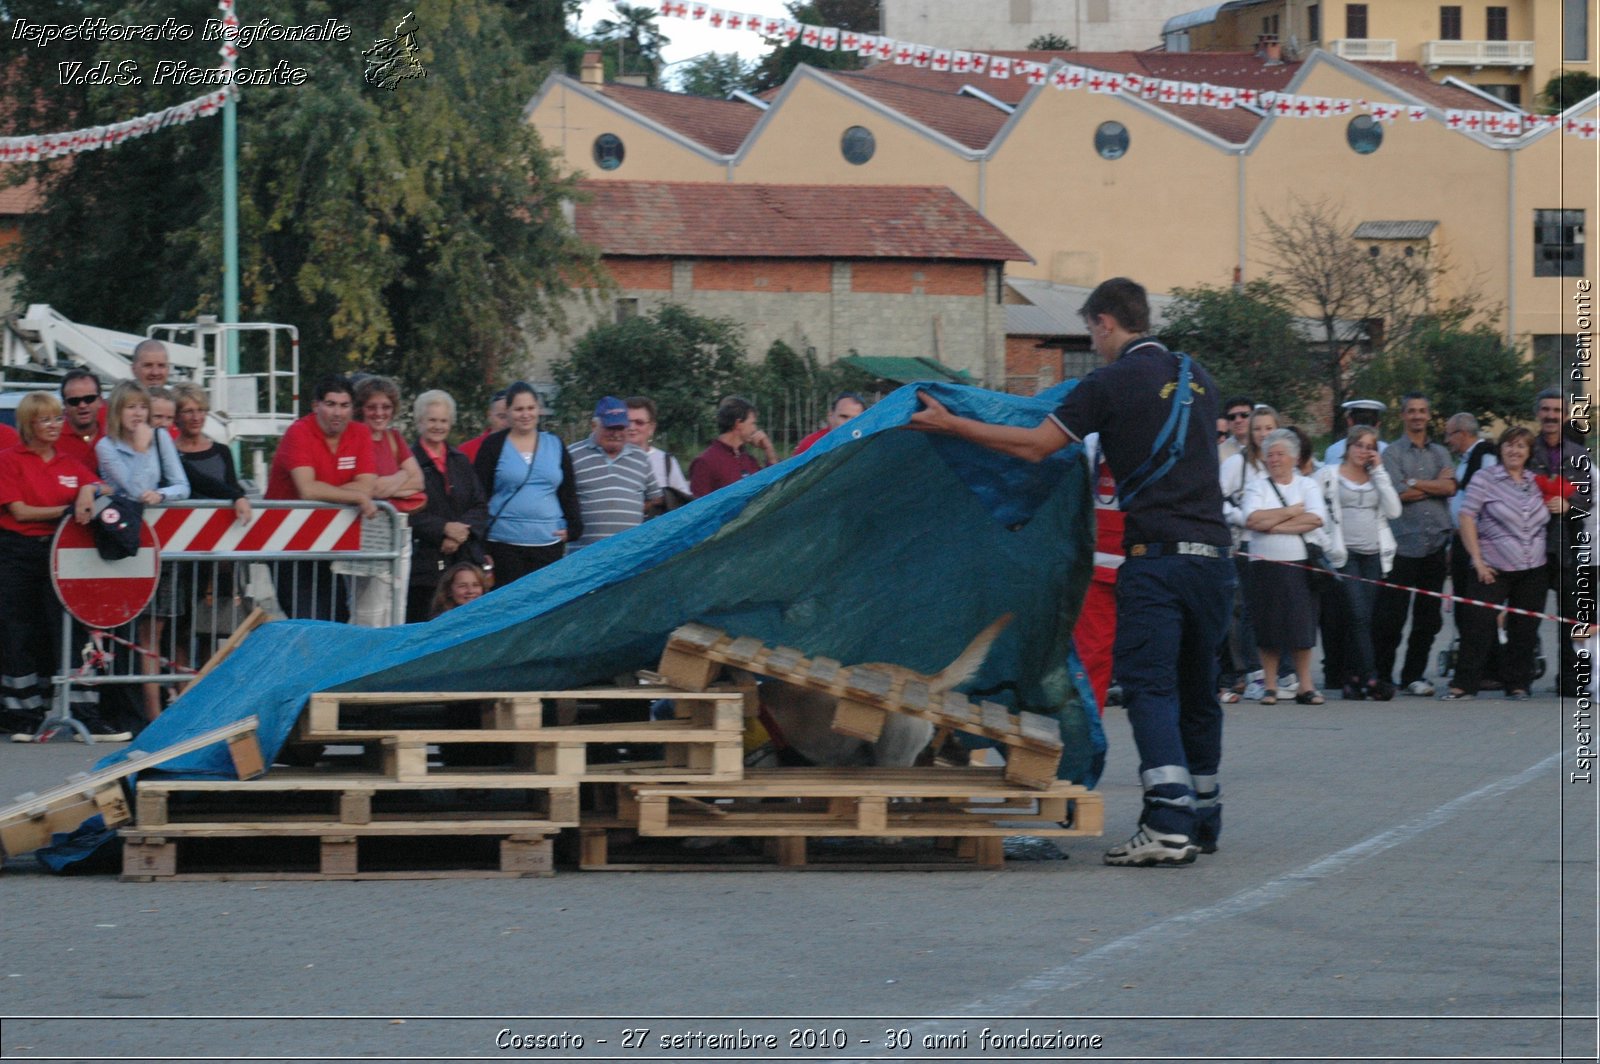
<point x="99" y="593"/>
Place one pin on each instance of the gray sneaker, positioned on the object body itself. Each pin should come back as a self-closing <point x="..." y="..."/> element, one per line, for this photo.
<point x="1148" y="848"/>
<point x="1420" y="688"/>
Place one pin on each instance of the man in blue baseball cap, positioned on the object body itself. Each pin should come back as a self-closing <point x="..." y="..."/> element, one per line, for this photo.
<point x="616" y="486"/>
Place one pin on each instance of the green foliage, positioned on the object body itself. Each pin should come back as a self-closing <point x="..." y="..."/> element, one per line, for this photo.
<point x="716" y="75"/>
<point x="1566" y="89"/>
<point x="793" y="392"/>
<point x="1247" y="338"/>
<point x="415" y="232"/>
<point x="860" y="15"/>
<point x="684" y="361"/>
<point x="1050" y="42"/>
<point x="1460" y="368"/>
<point x="633" y="39"/>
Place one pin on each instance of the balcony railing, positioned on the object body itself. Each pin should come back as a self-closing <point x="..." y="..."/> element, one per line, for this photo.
<point x="1363" y="48"/>
<point x="1477" y="53"/>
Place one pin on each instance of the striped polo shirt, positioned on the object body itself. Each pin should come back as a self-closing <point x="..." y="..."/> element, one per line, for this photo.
<point x="611" y="491"/>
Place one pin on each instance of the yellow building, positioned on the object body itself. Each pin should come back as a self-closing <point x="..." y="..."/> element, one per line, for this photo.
<point x="1509" y="49"/>
<point x="1096" y="184"/>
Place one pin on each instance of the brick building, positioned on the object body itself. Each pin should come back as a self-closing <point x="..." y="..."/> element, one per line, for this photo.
<point x="899" y="271"/>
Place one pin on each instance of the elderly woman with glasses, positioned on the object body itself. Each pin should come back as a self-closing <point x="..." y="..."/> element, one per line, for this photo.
<point x="38" y="487"/>
<point x="1284" y="512"/>
<point x="450" y="527"/>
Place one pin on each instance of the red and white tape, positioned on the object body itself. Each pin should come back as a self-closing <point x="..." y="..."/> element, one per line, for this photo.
<point x="184" y="530"/>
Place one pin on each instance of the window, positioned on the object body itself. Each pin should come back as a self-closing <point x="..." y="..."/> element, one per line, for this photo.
<point x="1364" y="134"/>
<point x="1111" y="140"/>
<point x="1495" y="30"/>
<point x="608" y="151"/>
<point x="626" y="308"/>
<point x="858" y="145"/>
<point x="1575" y="31"/>
<point x="1511" y="94"/>
<point x="1450" y="22"/>
<point x="1558" y="243"/>
<point x="1314" y="23"/>
<point x="1355" y="21"/>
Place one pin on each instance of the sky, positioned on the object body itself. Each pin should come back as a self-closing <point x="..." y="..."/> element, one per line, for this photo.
<point x="691" y="38"/>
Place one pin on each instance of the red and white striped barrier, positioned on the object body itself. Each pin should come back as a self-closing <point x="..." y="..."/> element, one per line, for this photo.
<point x="216" y="530"/>
<point x="1499" y="606"/>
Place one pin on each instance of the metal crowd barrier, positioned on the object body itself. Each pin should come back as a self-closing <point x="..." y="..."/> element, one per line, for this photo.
<point x="297" y="559"/>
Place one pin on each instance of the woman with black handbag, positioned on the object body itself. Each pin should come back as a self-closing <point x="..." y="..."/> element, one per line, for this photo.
<point x="1286" y="517"/>
<point x="450" y="526"/>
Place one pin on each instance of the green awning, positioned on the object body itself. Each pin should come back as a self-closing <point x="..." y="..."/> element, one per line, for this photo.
<point x="906" y="370"/>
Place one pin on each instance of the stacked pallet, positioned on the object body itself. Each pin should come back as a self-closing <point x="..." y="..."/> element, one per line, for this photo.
<point x="481" y="784"/>
<point x="794" y="812"/>
<point x="427" y="785"/>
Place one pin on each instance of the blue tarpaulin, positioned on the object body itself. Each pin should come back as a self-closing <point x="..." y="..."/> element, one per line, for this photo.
<point x="876" y="545"/>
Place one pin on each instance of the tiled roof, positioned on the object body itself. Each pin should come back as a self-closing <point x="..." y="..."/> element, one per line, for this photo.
<point x="964" y="119"/>
<point x="1412" y="78"/>
<point x="18" y="199"/>
<point x="787" y="221"/>
<point x="720" y="125"/>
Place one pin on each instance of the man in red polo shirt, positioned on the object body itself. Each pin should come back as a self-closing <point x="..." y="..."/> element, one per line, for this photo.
<point x="726" y="460"/>
<point x="86" y="416"/>
<point x="498" y="419"/>
<point x="319" y="461"/>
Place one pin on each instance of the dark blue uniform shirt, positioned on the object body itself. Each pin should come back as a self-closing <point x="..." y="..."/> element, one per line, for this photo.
<point x="1127" y="402"/>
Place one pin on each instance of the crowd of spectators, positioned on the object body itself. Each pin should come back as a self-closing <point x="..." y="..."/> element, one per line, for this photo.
<point x="1397" y="521"/>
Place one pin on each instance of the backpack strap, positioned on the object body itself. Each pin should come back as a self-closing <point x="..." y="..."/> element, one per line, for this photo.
<point x="1169" y="445"/>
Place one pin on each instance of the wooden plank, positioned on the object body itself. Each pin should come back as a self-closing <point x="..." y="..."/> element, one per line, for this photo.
<point x="338" y="855"/>
<point x="872" y="815"/>
<point x="997" y="719"/>
<point x="686" y="671"/>
<point x="859" y="720"/>
<point x="695" y="637"/>
<point x="784" y="662"/>
<point x="1031" y="767"/>
<point x="255" y="619"/>
<point x="527" y="856"/>
<point x="868" y="681"/>
<point x="1040" y="728"/>
<point x="245" y="753"/>
<point x="746" y="651"/>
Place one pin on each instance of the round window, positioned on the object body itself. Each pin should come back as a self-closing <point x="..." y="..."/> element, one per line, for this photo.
<point x="858" y="144"/>
<point x="608" y="151"/>
<point x="1111" y="140"/>
<point x="1364" y="134"/>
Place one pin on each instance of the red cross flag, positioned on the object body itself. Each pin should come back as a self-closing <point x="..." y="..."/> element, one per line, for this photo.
<point x="1588" y="130"/>
<point x="999" y="67"/>
<point x="1454" y="119"/>
<point x="961" y="62"/>
<point x="698" y="11"/>
<point x="1151" y="88"/>
<point x="1323" y="106"/>
<point x="1249" y="98"/>
<point x="1417" y="114"/>
<point x="1096" y="83"/>
<point x="1226" y="99"/>
<point x="1169" y="91"/>
<point x="1342" y="107"/>
<point x="1188" y="93"/>
<point x="1036" y="73"/>
<point x="941" y="60"/>
<point x="867" y="45"/>
<point x="1114" y="83"/>
<point x="1491" y="122"/>
<point x="1076" y="76"/>
<point x="849" y="43"/>
<point x="829" y="41"/>
<point x="1059" y="79"/>
<point x="923" y="57"/>
<point x="886" y="48"/>
<point x="736" y="20"/>
<point x="716" y="16"/>
<point x="1283" y="105"/>
<point x="1133" y="83"/>
<point x="811" y="36"/>
<point x="980" y="63"/>
<point x="791" y="31"/>
<point x="903" y="55"/>
<point x="1208" y="94"/>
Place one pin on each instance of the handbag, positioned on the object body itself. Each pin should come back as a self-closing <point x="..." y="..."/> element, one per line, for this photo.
<point x="1322" y="578"/>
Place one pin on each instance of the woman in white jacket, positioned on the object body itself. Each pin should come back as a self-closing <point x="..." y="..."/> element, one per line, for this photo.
<point x="1361" y="501"/>
<point x="1241" y="661"/>
<point x="1284" y="512"/>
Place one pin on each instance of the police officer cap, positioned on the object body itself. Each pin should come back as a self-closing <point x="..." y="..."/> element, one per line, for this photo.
<point x="1365" y="404"/>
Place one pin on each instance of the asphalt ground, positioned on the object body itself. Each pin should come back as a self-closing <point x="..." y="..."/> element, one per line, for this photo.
<point x="1404" y="880"/>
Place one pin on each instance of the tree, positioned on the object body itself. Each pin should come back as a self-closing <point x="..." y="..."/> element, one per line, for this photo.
<point x="1247" y="337"/>
<point x="1469" y="369"/>
<point x="417" y="232"/>
<point x="638" y="40"/>
<point x="1361" y="298"/>
<point x="1566" y="89"/>
<point x="716" y="75"/>
<point x="862" y="16"/>
<point x="1050" y="42"/>
<point x="684" y="361"/>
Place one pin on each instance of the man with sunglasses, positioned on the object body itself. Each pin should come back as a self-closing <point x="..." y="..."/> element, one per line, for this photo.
<point x="86" y="414"/>
<point x="1236" y="412"/>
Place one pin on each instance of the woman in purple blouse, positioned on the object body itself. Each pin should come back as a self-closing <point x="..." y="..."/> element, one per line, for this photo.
<point x="1502" y="527"/>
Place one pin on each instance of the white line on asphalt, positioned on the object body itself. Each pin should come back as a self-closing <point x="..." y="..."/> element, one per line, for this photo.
<point x="1017" y="998"/>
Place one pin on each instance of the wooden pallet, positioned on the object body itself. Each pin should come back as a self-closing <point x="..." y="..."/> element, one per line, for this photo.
<point x="325" y="717"/>
<point x="28" y="822"/>
<point x="904" y="803"/>
<point x="461" y="849"/>
<point x="289" y="795"/>
<point x="612" y="847"/>
<point x="867" y="694"/>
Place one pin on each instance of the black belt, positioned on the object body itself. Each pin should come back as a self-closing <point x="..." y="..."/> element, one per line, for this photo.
<point x="1157" y="550"/>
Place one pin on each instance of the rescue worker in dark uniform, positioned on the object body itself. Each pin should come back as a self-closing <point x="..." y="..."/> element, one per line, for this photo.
<point x="1155" y="412"/>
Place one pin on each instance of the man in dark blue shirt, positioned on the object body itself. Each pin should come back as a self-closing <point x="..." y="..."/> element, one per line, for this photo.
<point x="1175" y="590"/>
